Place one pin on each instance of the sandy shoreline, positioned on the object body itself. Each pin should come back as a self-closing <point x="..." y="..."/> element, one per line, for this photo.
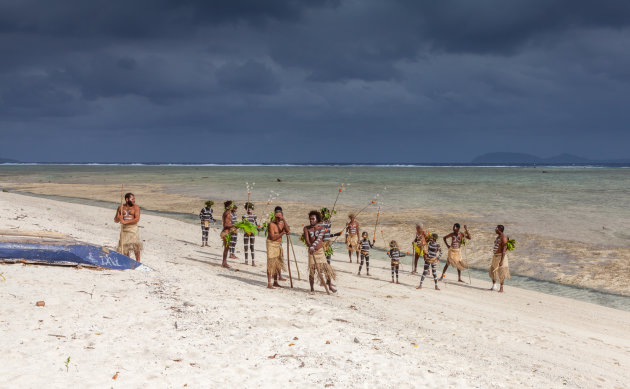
<point x="191" y="322"/>
<point x="566" y="262"/>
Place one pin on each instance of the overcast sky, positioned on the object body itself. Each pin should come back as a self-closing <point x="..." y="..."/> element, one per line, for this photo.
<point x="312" y="81"/>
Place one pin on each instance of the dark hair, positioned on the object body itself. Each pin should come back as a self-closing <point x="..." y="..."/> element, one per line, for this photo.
<point x="127" y="195"/>
<point x="277" y="209"/>
<point x="501" y="228"/>
<point x="227" y="204"/>
<point x="318" y="215"/>
<point x="456" y="225"/>
<point x="434" y="236"/>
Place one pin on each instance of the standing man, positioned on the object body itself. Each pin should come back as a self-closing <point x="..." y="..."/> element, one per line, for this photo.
<point x="128" y="215"/>
<point x="314" y="238"/>
<point x="234" y="236"/>
<point x="228" y="230"/>
<point x="419" y="244"/>
<point x="206" y="217"/>
<point x="282" y="223"/>
<point x="454" y="251"/>
<point x="275" y="255"/>
<point x="352" y="237"/>
<point x="500" y="268"/>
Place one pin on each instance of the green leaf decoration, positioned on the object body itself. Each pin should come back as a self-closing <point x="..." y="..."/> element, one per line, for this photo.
<point x="247" y="227"/>
<point x="511" y="244"/>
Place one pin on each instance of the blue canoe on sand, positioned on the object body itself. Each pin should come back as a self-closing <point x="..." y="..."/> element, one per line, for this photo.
<point x="67" y="252"/>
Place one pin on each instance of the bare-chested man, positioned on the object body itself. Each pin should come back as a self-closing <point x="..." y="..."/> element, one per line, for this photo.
<point x="281" y="224"/>
<point x="419" y="243"/>
<point x="228" y="230"/>
<point x="128" y="215"/>
<point x="500" y="268"/>
<point x="317" y="264"/>
<point x="352" y="237"/>
<point x="454" y="257"/>
<point x="275" y="255"/>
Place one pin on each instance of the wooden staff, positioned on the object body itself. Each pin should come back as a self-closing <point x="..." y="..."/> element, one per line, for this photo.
<point x="468" y="267"/>
<point x="363" y="209"/>
<point x="376" y="224"/>
<point x="335" y="204"/>
<point x="289" y="263"/>
<point x="294" y="257"/>
<point x="122" y="203"/>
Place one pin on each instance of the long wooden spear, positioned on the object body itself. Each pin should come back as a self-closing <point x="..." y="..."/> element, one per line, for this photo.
<point x="294" y="257"/>
<point x="363" y="209"/>
<point x="378" y="212"/>
<point x="335" y="204"/>
<point x="289" y="262"/>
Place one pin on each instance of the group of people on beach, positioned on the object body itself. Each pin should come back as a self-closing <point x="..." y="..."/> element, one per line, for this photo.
<point x="318" y="238"/>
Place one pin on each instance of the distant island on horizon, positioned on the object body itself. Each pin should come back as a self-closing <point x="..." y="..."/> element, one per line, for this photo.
<point x="523" y="158"/>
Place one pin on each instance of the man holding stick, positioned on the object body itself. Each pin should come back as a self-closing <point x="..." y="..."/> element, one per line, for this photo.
<point x="275" y="255"/>
<point x="128" y="215"/>
<point x="314" y="238"/>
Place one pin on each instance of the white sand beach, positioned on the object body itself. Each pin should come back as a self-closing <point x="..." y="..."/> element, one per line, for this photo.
<point x="190" y="323"/>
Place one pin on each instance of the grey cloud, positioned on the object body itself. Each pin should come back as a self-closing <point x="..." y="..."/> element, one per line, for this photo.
<point x="251" y="77"/>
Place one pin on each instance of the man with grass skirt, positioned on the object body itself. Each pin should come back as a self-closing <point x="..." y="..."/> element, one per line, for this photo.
<point x="317" y="264"/>
<point x="275" y="255"/>
<point x="128" y="215"/>
<point x="206" y="217"/>
<point x="352" y="237"/>
<point x="500" y="268"/>
<point x="454" y="250"/>
<point x="228" y="230"/>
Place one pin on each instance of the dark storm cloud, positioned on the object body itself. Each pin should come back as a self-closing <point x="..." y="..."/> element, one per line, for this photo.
<point x="495" y="26"/>
<point x="524" y="75"/>
<point x="250" y="77"/>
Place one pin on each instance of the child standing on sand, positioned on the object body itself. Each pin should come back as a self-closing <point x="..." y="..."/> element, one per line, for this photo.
<point x="431" y="257"/>
<point x="366" y="245"/>
<point x="395" y="255"/>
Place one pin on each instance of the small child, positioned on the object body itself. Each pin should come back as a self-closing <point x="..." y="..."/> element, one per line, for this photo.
<point x="431" y="257"/>
<point x="395" y="255"/>
<point x="206" y="217"/>
<point x="365" y="252"/>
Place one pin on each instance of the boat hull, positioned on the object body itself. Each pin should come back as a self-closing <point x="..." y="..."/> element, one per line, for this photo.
<point x="64" y="253"/>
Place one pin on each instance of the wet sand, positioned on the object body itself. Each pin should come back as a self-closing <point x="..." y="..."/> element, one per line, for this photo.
<point x="592" y="266"/>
